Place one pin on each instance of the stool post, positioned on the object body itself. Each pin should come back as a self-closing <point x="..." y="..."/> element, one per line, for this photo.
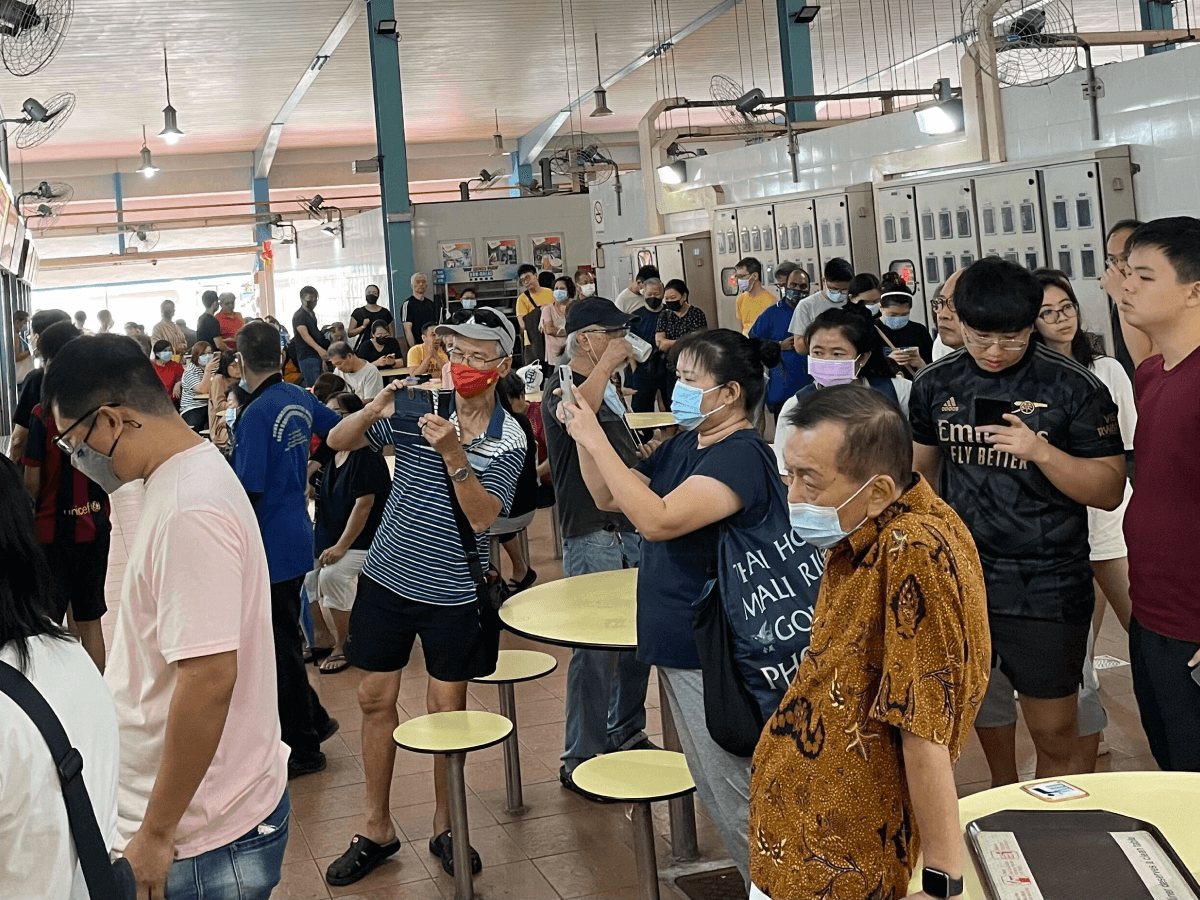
<point x="512" y="752"/>
<point x="682" y="810"/>
<point x="464" y="886"/>
<point x="643" y="849"/>
<point x="556" y="532"/>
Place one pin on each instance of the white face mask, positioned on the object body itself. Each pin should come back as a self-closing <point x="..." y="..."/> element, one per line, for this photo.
<point x="588" y="290"/>
<point x="820" y="525"/>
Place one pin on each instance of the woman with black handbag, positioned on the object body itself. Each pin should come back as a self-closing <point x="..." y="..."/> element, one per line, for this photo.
<point x="725" y="590"/>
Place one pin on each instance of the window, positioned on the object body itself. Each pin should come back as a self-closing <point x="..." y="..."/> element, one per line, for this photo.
<point x="795" y="231"/>
<point x="945" y="224"/>
<point x="931" y="270"/>
<point x="720" y="242"/>
<point x="989" y="220"/>
<point x="1083" y="212"/>
<point x="927" y="231"/>
<point x="1008" y="221"/>
<point x="964" y="223"/>
<point x="839" y="233"/>
<point x="812" y="272"/>
<point x="966" y="260"/>
<point x="905" y="228"/>
<point x="826" y="235"/>
<point x="905" y="268"/>
<point x="1064" y="263"/>
<point x="948" y="266"/>
<point x="808" y="236"/>
<point x="1012" y="257"/>
<point x="1028" y="219"/>
<point x="889" y="229"/>
<point x="1031" y="261"/>
<point x="783" y="238"/>
<point x="729" y="281"/>
<point x="768" y="234"/>
<point x="731" y="240"/>
<point x="1087" y="263"/>
<point x="745" y="246"/>
<point x="1061" y="221"/>
<point x="756" y="238"/>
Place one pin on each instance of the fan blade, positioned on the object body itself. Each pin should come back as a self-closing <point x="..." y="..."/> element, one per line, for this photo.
<point x="32" y="33"/>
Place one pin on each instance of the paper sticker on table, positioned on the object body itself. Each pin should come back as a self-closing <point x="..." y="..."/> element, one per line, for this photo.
<point x="1154" y="867"/>
<point x="1009" y="873"/>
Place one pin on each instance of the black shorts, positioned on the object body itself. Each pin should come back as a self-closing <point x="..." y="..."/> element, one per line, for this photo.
<point x="384" y="625"/>
<point x="1041" y="658"/>
<point x="77" y="573"/>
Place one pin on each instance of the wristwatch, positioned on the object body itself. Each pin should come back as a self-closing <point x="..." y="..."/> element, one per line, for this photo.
<point x="937" y="883"/>
<point x="460" y="474"/>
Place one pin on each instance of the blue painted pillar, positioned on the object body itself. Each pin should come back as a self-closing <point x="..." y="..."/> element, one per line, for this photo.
<point x="795" y="52"/>
<point x="260" y="192"/>
<point x="119" y="201"/>
<point x="1157" y="15"/>
<point x="522" y="173"/>
<point x="393" y="153"/>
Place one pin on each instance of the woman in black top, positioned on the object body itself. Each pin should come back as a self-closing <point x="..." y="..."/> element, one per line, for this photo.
<point x="677" y="320"/>
<point x="363" y="319"/>
<point x="912" y="343"/>
<point x="380" y="346"/>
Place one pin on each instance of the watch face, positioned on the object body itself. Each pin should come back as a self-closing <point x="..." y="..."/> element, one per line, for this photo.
<point x="938" y="884"/>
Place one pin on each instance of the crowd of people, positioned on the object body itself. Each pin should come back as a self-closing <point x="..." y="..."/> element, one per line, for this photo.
<point x="929" y="545"/>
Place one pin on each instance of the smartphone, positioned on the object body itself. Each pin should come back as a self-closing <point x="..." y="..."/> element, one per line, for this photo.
<point x="991" y="412"/>
<point x="1054" y="791"/>
<point x="1196" y="674"/>
<point x="566" y="384"/>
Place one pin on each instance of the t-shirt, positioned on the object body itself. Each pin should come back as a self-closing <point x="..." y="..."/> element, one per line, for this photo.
<point x="913" y="334"/>
<point x="1120" y="388"/>
<point x="808" y="309"/>
<point x="363" y="473"/>
<point x="553" y="317"/>
<point x="417" y="552"/>
<point x="416" y="356"/>
<point x="231" y="324"/>
<point x="170" y="332"/>
<point x="31" y="396"/>
<point x="192" y="376"/>
<point x="197" y="584"/>
<point x="71" y="508"/>
<point x="629" y="301"/>
<point x="37" y="852"/>
<point x="1162" y="523"/>
<point x="306" y="317"/>
<point x="208" y="329"/>
<point x="792" y="372"/>
<point x="363" y="315"/>
<point x="418" y="313"/>
<point x="674" y="572"/>
<point x="270" y="457"/>
<point x="525" y="496"/>
<point x="170" y="374"/>
<point x="366" y="382"/>
<point x="940" y="349"/>
<point x="369" y="353"/>
<point x="538" y="427"/>
<point x="750" y="308"/>
<point x="577" y="511"/>
<point x="1032" y="538"/>
<point x="528" y="300"/>
<point x="673" y="327"/>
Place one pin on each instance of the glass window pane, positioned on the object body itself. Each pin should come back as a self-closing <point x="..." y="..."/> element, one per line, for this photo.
<point x="1028" y="219"/>
<point x="1012" y="258"/>
<point x="795" y="230"/>
<point x="826" y="235"/>
<point x="989" y="220"/>
<point x="1008" y="221"/>
<point x="1031" y="261"/>
<point x="812" y="273"/>
<point x="729" y="282"/>
<point x="756" y="239"/>
<point x="889" y="229"/>
<point x="905" y="229"/>
<point x="966" y="260"/>
<point x="720" y="242"/>
<point x="948" y="266"/>
<point x="964" y="223"/>
<point x="1083" y="212"/>
<point x="931" y="270"/>
<point x="927" y="231"/>
<point x="945" y="224"/>
<point x="839" y="233"/>
<point x="808" y="236"/>
<point x="783" y="238"/>
<point x="1060" y="215"/>
<point x="1087" y="263"/>
<point x="731" y="240"/>
<point x="768" y="239"/>
<point x="745" y="246"/>
<point x="1064" y="263"/>
<point x="906" y="269"/>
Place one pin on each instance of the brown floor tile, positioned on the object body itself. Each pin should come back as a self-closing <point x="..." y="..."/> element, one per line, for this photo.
<point x="549" y="711"/>
<point x="518" y="880"/>
<point x="297" y="846"/>
<point x="339" y="772"/>
<point x="541" y="737"/>
<point x="492" y="843"/>
<point x="417" y="821"/>
<point x="352" y="737"/>
<point x="965" y="790"/>
<point x="301" y="881"/>
<point x="489" y="774"/>
<point x="596" y="871"/>
<point x="1144" y="763"/>
<point x="340" y="699"/>
<point x="563" y="833"/>
<point x="331" y="803"/>
<point x="415" y="890"/>
<point x="408" y="790"/>
<point x="402" y="868"/>
<point x="332" y="837"/>
<point x="335" y="747"/>
<point x="547" y="798"/>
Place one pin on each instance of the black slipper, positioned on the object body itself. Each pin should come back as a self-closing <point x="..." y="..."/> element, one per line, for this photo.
<point x="316" y="654"/>
<point x="362" y="856"/>
<point x="443" y="847"/>
<point x="336" y="663"/>
<point x="526" y="582"/>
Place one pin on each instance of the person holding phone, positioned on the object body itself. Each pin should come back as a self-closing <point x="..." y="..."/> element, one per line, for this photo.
<point x="906" y="343"/>
<point x="1023" y="489"/>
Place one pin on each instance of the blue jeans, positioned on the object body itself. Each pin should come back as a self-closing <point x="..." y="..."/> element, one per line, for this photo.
<point x="247" y="869"/>
<point x="606" y="689"/>
<point x="311" y="368"/>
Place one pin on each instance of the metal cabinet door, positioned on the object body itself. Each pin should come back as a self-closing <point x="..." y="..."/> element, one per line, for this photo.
<point x="947" y="228"/>
<point x="899" y="247"/>
<point x="1076" y="239"/>
<point x="725" y="252"/>
<point x="833" y="228"/>
<point x="756" y="237"/>
<point x="670" y="261"/>
<point x="796" y="237"/>
<point x="1011" y="224"/>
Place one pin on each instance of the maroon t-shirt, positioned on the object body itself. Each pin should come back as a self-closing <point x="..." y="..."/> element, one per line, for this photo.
<point x="1162" y="523"/>
<point x="71" y="508"/>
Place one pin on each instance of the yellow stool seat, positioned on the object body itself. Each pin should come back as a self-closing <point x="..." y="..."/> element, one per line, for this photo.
<point x="650" y="419"/>
<point x="452" y="732"/>
<point x="636" y="776"/>
<point x="519" y="665"/>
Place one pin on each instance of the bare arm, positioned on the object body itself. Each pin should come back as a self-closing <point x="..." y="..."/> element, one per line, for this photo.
<point x="351" y="432"/>
<point x="19" y="349"/>
<point x="354" y="526"/>
<point x="930" y="776"/>
<point x="664" y="344"/>
<point x="480" y="507"/>
<point x="408" y="334"/>
<point x="33" y="481"/>
<point x="927" y="463"/>
<point x="355" y="328"/>
<point x="16" y="444"/>
<point x="205" y="385"/>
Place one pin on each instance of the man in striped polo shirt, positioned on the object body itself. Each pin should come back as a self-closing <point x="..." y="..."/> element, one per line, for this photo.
<point x="416" y="581"/>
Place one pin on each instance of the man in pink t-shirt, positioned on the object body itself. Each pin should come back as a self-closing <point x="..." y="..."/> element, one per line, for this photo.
<point x="202" y="806"/>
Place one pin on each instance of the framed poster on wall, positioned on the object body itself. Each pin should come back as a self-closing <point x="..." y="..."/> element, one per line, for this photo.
<point x="502" y="251"/>
<point x="457" y="254"/>
<point x="547" y="252"/>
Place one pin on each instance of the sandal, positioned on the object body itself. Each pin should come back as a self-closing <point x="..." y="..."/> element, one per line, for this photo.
<point x="333" y="664"/>
<point x="316" y="654"/>
<point x="442" y="847"/>
<point x="526" y="582"/>
<point x="362" y="856"/>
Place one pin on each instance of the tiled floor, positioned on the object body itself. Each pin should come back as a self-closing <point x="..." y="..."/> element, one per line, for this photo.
<point x="564" y="847"/>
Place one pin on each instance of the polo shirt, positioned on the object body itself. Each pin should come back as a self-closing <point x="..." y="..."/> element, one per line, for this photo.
<point x="792" y="372"/>
<point x="750" y="308"/>
<point x="417" y="552"/>
<point x="270" y="457"/>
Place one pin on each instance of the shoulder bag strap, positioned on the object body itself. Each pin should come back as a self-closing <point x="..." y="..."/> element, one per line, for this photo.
<point x="466" y="535"/>
<point x="89" y="843"/>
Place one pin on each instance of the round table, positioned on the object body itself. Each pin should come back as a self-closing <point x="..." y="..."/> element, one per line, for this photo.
<point x="597" y="611"/>
<point x="1166" y="799"/>
<point x="650" y="419"/>
<point x="392" y="373"/>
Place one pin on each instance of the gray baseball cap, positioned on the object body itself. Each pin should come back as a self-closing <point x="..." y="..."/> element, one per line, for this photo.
<point x="482" y="325"/>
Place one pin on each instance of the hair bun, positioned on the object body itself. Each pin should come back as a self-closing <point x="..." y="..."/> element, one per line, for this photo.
<point x="769" y="353"/>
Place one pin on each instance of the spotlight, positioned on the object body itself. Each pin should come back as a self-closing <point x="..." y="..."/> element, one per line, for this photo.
<point x="365" y="166"/>
<point x="805" y="14"/>
<point x="673" y="172"/>
<point x="941" y="118"/>
<point x="385" y="27"/>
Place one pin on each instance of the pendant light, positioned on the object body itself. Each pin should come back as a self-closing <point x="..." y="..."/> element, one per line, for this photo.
<point x="148" y="168"/>
<point x="600" y="92"/>
<point x="498" y="138"/>
<point x="170" y="133"/>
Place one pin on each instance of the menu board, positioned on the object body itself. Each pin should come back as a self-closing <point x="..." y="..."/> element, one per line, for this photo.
<point x="9" y="241"/>
<point x="18" y="247"/>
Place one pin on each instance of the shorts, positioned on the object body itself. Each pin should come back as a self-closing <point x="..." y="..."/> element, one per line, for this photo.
<point x="77" y="574"/>
<point x="1106" y="534"/>
<point x="336" y="585"/>
<point x="1040" y="657"/>
<point x="384" y="625"/>
<point x="999" y="707"/>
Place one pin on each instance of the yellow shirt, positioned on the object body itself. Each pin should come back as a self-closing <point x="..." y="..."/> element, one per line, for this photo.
<point x="750" y="308"/>
<point x="416" y="356"/>
<point x="541" y="297"/>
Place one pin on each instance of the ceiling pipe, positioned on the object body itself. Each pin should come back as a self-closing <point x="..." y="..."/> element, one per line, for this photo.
<point x="79" y="262"/>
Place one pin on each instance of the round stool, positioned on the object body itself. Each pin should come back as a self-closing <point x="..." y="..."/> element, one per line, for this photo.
<point x="513" y="666"/>
<point x="638" y="777"/>
<point x="454" y="735"/>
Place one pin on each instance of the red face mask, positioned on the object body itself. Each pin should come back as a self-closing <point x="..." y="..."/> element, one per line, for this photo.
<point x="469" y="382"/>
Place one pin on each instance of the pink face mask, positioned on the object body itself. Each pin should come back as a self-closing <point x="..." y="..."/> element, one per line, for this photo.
<point x="828" y="372"/>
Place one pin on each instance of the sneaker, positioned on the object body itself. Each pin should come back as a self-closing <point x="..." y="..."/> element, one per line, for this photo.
<point x="568" y="782"/>
<point x="305" y="763"/>
<point x="644" y="744"/>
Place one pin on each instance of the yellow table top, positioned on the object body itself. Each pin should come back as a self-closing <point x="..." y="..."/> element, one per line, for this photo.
<point x="597" y="611"/>
<point x="535" y="397"/>
<point x="635" y="775"/>
<point x="520" y="665"/>
<point x="399" y="370"/>
<point x="200" y="396"/>
<point x="650" y="420"/>
<point x="452" y="732"/>
<point x="1166" y="799"/>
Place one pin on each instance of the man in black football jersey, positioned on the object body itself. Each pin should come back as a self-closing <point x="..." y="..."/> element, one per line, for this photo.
<point x="1025" y="439"/>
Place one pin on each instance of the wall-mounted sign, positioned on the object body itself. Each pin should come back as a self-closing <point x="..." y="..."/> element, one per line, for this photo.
<point x="457" y="254"/>
<point x="502" y="251"/>
<point x="547" y="252"/>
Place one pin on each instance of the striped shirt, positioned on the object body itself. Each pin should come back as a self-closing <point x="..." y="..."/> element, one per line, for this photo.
<point x="192" y="376"/>
<point x="417" y="552"/>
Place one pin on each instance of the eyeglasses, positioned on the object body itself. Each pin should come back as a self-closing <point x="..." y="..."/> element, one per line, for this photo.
<point x="984" y="343"/>
<point x="61" y="441"/>
<point x="937" y="304"/>
<point x="1050" y="316"/>
<point x="1121" y="263"/>
<point x="474" y="360"/>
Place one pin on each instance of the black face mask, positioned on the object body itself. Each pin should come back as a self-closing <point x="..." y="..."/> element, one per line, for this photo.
<point x="653" y="302"/>
<point x="794" y="295"/>
<point x="372" y="298"/>
<point x="674" y="305"/>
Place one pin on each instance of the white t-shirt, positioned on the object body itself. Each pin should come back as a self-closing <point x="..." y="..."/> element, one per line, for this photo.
<point x="37" y="853"/>
<point x="1116" y="379"/>
<point x="366" y="382"/>
<point x="940" y="349"/>
<point x="197" y="584"/>
<point x="629" y="302"/>
<point x="808" y="309"/>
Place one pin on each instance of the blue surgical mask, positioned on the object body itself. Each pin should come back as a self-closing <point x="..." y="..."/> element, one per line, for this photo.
<point x="894" y="322"/>
<point x="205" y="359"/>
<point x="685" y="405"/>
<point x="820" y="525"/>
<point x="836" y="296"/>
<point x="231" y="417"/>
<point x="469" y="303"/>
<point x="560" y="295"/>
<point x="165" y="355"/>
<point x="612" y="399"/>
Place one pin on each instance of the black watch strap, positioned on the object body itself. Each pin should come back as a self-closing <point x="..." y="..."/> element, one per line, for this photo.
<point x="937" y="883"/>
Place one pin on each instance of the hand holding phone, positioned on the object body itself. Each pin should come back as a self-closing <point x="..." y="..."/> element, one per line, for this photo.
<point x="992" y="412"/>
<point x="567" y="389"/>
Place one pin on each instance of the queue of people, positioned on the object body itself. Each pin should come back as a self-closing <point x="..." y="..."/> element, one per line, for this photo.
<point x="931" y="541"/>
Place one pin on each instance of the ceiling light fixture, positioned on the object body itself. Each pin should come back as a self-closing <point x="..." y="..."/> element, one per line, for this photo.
<point x="673" y="172"/>
<point x="600" y="92"/>
<point x="385" y="26"/>
<point x="805" y="14"/>
<point x="943" y="117"/>
<point x="148" y="168"/>
<point x="170" y="133"/>
<point x="498" y="138"/>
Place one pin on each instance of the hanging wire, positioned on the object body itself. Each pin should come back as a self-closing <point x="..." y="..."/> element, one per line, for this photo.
<point x="845" y="63"/>
<point x="674" y="71"/>
<point x="562" y="6"/>
<point x="750" y="50"/>
<point x="937" y="42"/>
<point x="824" y="68"/>
<point x="737" y="24"/>
<point x="575" y="52"/>
<point x="767" y="50"/>
<point x="912" y="40"/>
<point x="875" y="40"/>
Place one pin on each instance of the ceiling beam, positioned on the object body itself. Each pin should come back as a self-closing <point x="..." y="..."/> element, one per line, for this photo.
<point x="535" y="141"/>
<point x="264" y="155"/>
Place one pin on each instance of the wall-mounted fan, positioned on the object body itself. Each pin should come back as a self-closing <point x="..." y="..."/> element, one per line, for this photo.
<point x="141" y="238"/>
<point x="582" y="155"/>
<point x="1035" y="42"/>
<point x="755" y="126"/>
<point x="42" y="120"/>
<point x="31" y="32"/>
<point x="42" y="206"/>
